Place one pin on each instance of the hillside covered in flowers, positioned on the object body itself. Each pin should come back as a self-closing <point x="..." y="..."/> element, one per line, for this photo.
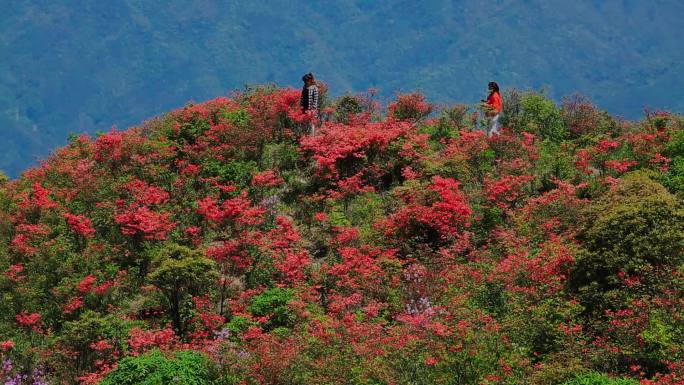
<point x="218" y="245"/>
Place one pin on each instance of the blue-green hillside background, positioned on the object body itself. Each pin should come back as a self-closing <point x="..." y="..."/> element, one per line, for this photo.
<point x="83" y="66"/>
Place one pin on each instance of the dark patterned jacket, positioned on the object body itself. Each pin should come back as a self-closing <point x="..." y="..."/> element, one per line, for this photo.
<point x="309" y="100"/>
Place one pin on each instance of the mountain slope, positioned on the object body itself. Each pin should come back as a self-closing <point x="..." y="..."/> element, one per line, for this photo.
<point x="215" y="244"/>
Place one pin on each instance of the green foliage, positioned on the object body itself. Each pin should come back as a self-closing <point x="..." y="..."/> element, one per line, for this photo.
<point x="675" y="147"/>
<point x="338" y="217"/>
<point x="600" y="379"/>
<point x="181" y="273"/>
<point x="540" y="116"/>
<point x="674" y="178"/>
<point x="279" y="156"/>
<point x="92" y="327"/>
<point x="558" y="368"/>
<point x="448" y="125"/>
<point x="238" y="172"/>
<point x="636" y="226"/>
<point x="239" y="118"/>
<point x="189" y="131"/>
<point x="238" y="324"/>
<point x="555" y="162"/>
<point x="274" y="304"/>
<point x="639" y="222"/>
<point x="661" y="336"/>
<point x="535" y="113"/>
<point x="154" y="368"/>
<point x="347" y="106"/>
<point x="363" y="211"/>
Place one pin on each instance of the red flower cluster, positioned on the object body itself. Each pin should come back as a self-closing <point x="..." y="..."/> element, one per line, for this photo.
<point x="141" y="340"/>
<point x="86" y="284"/>
<point x="140" y="220"/>
<point x="80" y="224"/>
<point x="268" y="178"/>
<point x="28" y="319"/>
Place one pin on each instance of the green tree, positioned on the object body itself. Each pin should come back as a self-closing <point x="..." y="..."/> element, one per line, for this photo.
<point x="182" y="273"/>
<point x="153" y="368"/>
<point x="535" y="113"/>
<point x="274" y="304"/>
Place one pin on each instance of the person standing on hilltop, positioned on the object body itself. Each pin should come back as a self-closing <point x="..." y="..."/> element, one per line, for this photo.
<point x="493" y="107"/>
<point x="309" y="100"/>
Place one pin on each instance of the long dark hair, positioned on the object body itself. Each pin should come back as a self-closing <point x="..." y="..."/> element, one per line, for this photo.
<point x="306" y="79"/>
<point x="493" y="87"/>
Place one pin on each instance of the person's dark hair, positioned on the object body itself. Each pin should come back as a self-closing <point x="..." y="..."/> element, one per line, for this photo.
<point x="493" y="86"/>
<point x="307" y="77"/>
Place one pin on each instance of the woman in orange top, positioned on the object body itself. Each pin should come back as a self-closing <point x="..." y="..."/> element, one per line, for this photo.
<point x="493" y="108"/>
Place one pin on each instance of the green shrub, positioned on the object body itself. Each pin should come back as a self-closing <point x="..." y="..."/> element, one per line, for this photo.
<point x="153" y="368"/>
<point x="534" y="113"/>
<point x="181" y="274"/>
<point x="448" y="125"/>
<point x="557" y="368"/>
<point x="279" y="156"/>
<point x="236" y="171"/>
<point x="274" y="304"/>
<point x="674" y="178"/>
<point x="92" y="326"/>
<point x="239" y="324"/>
<point x="631" y="229"/>
<point x="555" y="162"/>
<point x="190" y="130"/>
<point x="239" y="118"/>
<point x="600" y="379"/>
<point x="363" y="211"/>
<point x="346" y="106"/>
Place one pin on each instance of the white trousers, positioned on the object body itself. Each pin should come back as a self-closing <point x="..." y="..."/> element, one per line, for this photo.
<point x="494" y="125"/>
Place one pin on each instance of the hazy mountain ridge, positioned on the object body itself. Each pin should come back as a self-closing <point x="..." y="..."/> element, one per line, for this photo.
<point x="72" y="67"/>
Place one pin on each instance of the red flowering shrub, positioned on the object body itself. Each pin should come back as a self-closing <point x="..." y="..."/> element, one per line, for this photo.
<point x="73" y="305"/>
<point x="144" y="222"/>
<point x="342" y="151"/>
<point x="385" y="249"/>
<point x="14" y="272"/>
<point x="507" y="190"/>
<point x="410" y="107"/>
<point x="441" y="213"/>
<point x="583" y="118"/>
<point x="267" y="178"/>
<point x="28" y="319"/>
<point x="6" y="345"/>
<point x="80" y="224"/>
<point x="142" y="340"/>
<point x="86" y="284"/>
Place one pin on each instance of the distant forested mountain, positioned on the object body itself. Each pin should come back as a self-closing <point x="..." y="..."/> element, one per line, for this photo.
<point x="83" y="66"/>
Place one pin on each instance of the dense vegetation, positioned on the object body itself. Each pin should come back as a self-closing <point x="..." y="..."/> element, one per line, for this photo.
<point x="216" y="245"/>
<point x="73" y="66"/>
